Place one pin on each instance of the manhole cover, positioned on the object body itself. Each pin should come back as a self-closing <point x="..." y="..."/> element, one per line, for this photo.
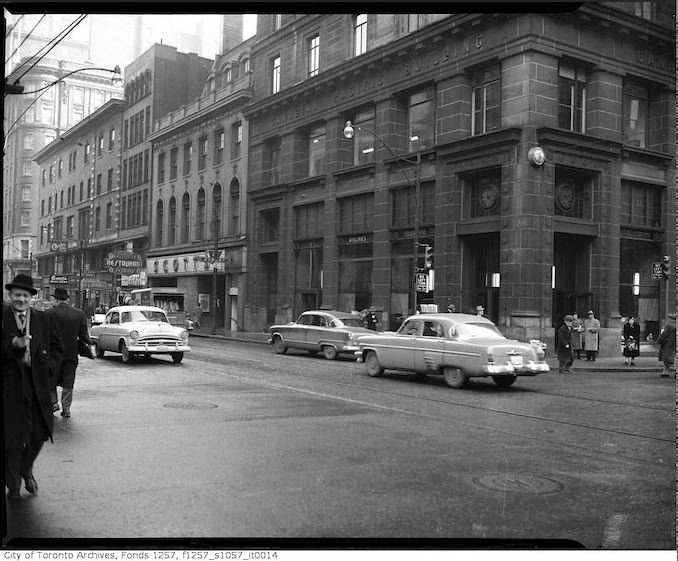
<point x="518" y="483"/>
<point x="191" y="405"/>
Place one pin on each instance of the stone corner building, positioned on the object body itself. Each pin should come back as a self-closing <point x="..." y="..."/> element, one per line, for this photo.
<point x="467" y="95"/>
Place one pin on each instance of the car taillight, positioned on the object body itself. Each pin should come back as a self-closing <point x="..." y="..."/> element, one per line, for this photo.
<point x="490" y="357"/>
<point x="133" y="334"/>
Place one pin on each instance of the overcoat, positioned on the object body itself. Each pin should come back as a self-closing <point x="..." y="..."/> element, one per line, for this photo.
<point x="591" y="329"/>
<point x="577" y="328"/>
<point x="46" y="353"/>
<point x="667" y="344"/>
<point x="72" y="325"/>
<point x="563" y="338"/>
<point x="631" y="340"/>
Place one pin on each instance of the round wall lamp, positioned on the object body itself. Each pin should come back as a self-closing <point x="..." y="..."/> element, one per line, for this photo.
<point x="536" y="155"/>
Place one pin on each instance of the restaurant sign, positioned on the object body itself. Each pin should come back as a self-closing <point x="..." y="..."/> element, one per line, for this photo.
<point x="123" y="262"/>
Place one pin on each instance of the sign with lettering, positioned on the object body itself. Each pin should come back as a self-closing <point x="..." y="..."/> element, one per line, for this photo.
<point x="62" y="246"/>
<point x="656" y="270"/>
<point x="123" y="262"/>
<point x="58" y="279"/>
<point x="421" y="280"/>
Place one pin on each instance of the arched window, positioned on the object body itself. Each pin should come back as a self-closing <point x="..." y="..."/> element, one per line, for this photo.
<point x="216" y="207"/>
<point x="185" y="217"/>
<point x="234" y="204"/>
<point x="200" y="215"/>
<point x="159" y="223"/>
<point x="245" y="64"/>
<point x="147" y="74"/>
<point x="228" y="75"/>
<point x="172" y="222"/>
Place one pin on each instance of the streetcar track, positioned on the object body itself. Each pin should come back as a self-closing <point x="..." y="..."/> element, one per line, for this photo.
<point x="251" y="362"/>
<point x="256" y="364"/>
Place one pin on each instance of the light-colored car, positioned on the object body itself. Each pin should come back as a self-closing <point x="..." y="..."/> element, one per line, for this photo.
<point x="326" y="331"/>
<point x="139" y="330"/>
<point x="456" y="346"/>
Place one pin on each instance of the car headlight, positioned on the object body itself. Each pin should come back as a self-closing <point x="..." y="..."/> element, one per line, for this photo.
<point x="133" y="334"/>
<point x="184" y="334"/>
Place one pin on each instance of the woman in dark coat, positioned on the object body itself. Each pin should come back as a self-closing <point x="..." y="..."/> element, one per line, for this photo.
<point x="631" y="334"/>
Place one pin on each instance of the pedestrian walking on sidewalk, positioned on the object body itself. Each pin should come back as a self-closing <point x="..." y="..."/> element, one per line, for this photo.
<point x="31" y="353"/>
<point x="197" y="315"/>
<point x="72" y="325"/>
<point x="667" y="345"/>
<point x="564" y="346"/>
<point x="591" y="329"/>
<point x="577" y="329"/>
<point x="631" y="333"/>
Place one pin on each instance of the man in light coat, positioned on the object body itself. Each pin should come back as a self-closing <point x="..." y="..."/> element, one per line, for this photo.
<point x="591" y="329"/>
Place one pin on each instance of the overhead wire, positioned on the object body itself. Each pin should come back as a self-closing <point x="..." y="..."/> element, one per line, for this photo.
<point x="15" y="24"/>
<point x="60" y="37"/>
<point x="24" y="40"/>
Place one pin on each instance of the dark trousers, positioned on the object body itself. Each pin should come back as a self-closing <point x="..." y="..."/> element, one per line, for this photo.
<point x="19" y="458"/>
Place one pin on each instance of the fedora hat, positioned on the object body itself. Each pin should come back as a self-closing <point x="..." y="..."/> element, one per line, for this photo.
<point x="22" y="281"/>
<point x="60" y="293"/>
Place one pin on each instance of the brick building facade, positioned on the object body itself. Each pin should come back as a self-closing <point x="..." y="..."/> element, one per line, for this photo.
<point x="468" y="96"/>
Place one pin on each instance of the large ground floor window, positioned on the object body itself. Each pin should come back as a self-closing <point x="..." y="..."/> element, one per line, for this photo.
<point x="355" y="276"/>
<point x="639" y="293"/>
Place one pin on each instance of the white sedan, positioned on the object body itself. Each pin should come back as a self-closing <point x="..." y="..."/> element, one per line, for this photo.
<point x="139" y="330"/>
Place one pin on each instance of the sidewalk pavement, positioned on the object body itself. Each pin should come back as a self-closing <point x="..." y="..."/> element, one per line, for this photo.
<point x="646" y="362"/>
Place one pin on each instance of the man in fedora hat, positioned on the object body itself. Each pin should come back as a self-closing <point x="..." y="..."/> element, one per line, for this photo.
<point x="72" y="324"/>
<point x="31" y="353"/>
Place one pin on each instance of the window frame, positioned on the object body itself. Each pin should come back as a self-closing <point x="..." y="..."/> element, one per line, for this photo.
<point x="359" y="34"/>
<point x="313" y="54"/>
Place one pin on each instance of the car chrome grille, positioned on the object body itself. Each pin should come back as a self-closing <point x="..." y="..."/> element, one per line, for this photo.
<point x="158" y="340"/>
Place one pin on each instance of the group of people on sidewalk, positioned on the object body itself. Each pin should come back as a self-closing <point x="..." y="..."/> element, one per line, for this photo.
<point x="40" y="352"/>
<point x="575" y="335"/>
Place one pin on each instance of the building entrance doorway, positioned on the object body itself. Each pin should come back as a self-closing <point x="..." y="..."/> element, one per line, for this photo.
<point x="570" y="277"/>
<point x="270" y="269"/>
<point x="481" y="274"/>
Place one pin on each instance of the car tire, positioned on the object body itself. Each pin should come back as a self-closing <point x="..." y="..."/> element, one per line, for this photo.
<point x="329" y="352"/>
<point x="126" y="355"/>
<point x="177" y="357"/>
<point x="98" y="351"/>
<point x="454" y="377"/>
<point x="279" y="345"/>
<point x="374" y="367"/>
<point x="505" y="381"/>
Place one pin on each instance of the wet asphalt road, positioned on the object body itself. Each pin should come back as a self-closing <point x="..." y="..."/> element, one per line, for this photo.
<point x="239" y="442"/>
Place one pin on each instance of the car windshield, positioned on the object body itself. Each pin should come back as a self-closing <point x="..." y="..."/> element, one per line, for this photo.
<point x="473" y="330"/>
<point x="143" y="315"/>
<point x="348" y="322"/>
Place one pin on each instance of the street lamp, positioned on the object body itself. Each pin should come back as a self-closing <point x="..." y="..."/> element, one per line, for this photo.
<point x="349" y="132"/>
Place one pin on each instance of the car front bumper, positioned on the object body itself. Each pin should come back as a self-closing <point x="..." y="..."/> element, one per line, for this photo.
<point x="528" y="369"/>
<point x="153" y="348"/>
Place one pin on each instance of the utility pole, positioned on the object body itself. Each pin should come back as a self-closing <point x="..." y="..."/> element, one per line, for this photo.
<point x="215" y="264"/>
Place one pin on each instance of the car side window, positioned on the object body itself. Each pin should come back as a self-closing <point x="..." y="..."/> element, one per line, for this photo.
<point x="126" y="316"/>
<point x="321" y="321"/>
<point x="410" y="327"/>
<point x="115" y="318"/>
<point x="432" y="329"/>
<point x="304" y="320"/>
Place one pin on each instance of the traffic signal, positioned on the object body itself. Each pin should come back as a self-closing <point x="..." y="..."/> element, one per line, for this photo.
<point x="428" y="257"/>
<point x="666" y="266"/>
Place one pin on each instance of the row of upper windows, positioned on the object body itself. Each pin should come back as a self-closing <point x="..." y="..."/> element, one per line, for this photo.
<point x="139" y="87"/>
<point x="55" y="171"/>
<point x="170" y="230"/>
<point x="641" y="117"/>
<point x="360" y="43"/>
<point x="217" y="157"/>
<point x="94" y="188"/>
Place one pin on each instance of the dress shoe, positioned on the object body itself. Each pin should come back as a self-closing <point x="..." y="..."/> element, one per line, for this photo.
<point x="14" y="495"/>
<point x="66" y="413"/>
<point x="55" y="407"/>
<point x="31" y="484"/>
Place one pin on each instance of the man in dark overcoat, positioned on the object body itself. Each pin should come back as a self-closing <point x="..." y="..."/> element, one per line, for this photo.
<point x="564" y="346"/>
<point x="72" y="323"/>
<point x="31" y="353"/>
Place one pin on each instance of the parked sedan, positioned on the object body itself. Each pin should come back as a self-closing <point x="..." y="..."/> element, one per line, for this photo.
<point x="139" y="330"/>
<point x="325" y="331"/>
<point x="456" y="346"/>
